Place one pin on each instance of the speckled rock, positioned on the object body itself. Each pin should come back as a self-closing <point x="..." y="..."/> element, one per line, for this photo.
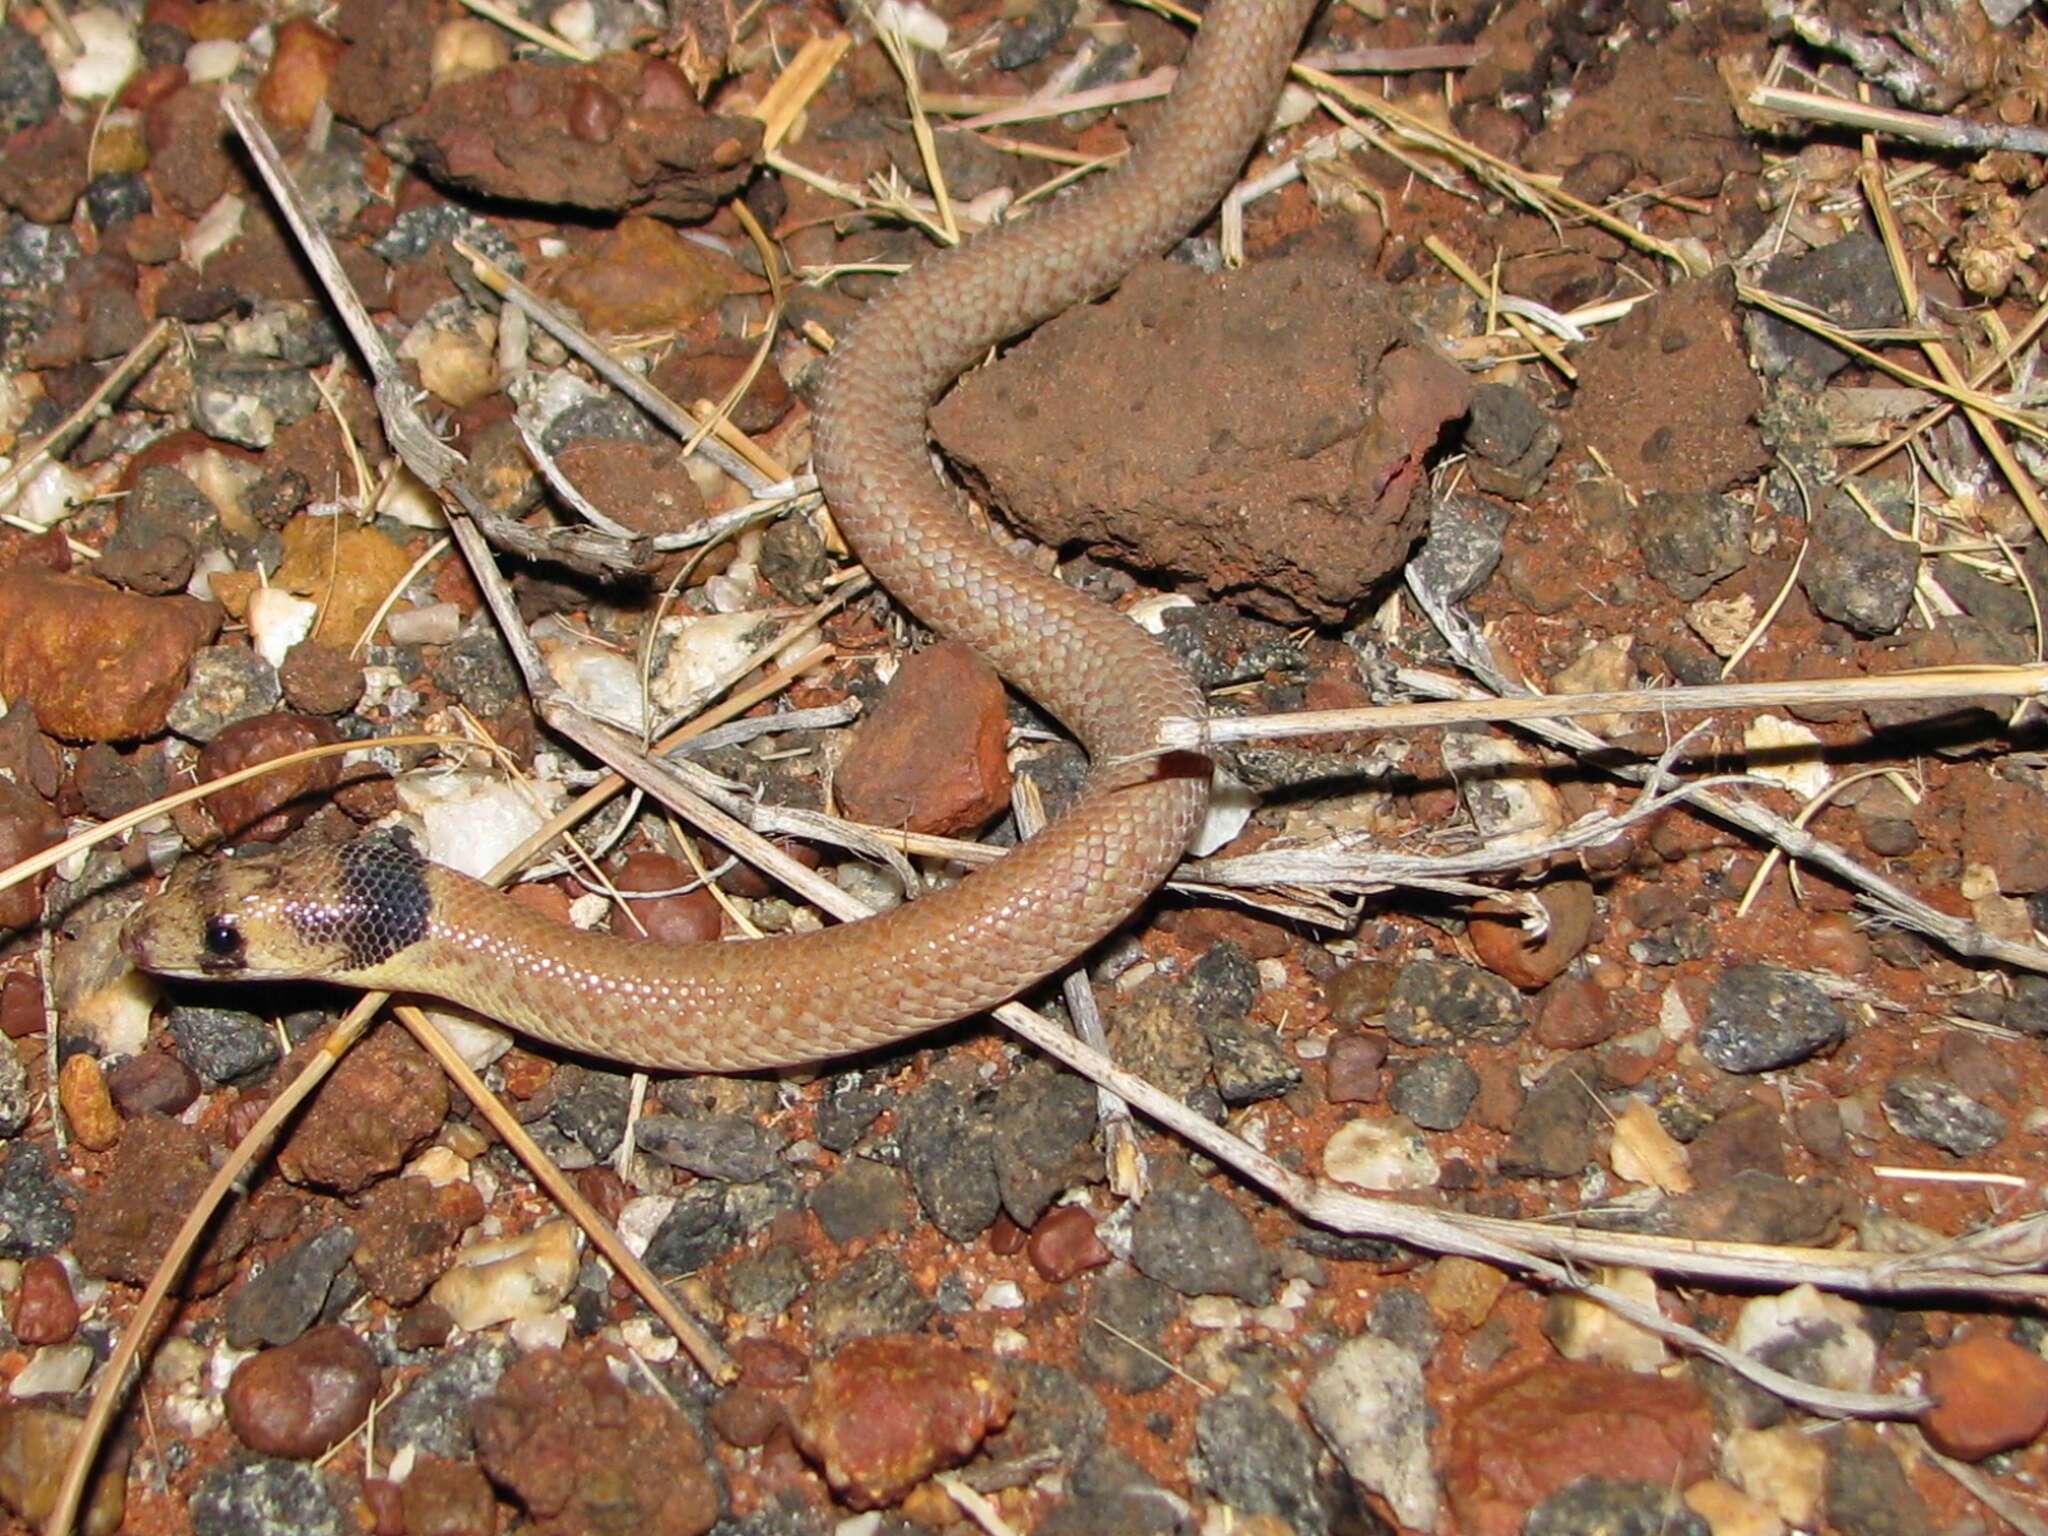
<point x="261" y="1496"/>
<point x="1928" y="1107"/>
<point x="1760" y="1017"/>
<point x="226" y="683"/>
<point x="1435" y="1004"/>
<point x="45" y="1311"/>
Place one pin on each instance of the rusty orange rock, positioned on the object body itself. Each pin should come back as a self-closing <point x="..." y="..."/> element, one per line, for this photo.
<point x="98" y="664"/>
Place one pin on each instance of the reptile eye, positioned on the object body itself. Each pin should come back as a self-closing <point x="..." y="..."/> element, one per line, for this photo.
<point x="222" y="939"/>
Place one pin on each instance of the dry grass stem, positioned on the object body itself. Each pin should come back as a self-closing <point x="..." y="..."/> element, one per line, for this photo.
<point x="1935" y="683"/>
<point x="94" y="407"/>
<point x="539" y="36"/>
<point x="1896" y="123"/>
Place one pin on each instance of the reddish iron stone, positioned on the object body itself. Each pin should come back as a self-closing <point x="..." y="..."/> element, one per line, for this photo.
<point x="1503" y="947"/>
<point x="304" y="1398"/>
<point x="1574" y="1013"/>
<point x="887" y="1412"/>
<point x="21" y="1006"/>
<point x="406" y="1231"/>
<point x="449" y="1498"/>
<point x="271" y="805"/>
<point x="1351" y="1072"/>
<point x="97" y="664"/>
<point x="685" y="917"/>
<point x="929" y="757"/>
<point x="27" y="827"/>
<point x="1523" y="1441"/>
<point x="382" y="1103"/>
<point x="45" y="1311"/>
<point x="584" y="1452"/>
<point x="1989" y="1393"/>
<point x="1064" y="1244"/>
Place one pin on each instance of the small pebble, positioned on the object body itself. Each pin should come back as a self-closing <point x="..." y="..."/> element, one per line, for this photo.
<point x="1989" y="1393"/>
<point x="45" y="1310"/>
<point x="88" y="1107"/>
<point x="301" y="1400"/>
<point x="1063" y="1244"/>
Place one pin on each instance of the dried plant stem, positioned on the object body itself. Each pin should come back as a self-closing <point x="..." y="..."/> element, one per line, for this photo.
<point x="1895" y="123"/>
<point x="1894" y="687"/>
<point x="91" y="409"/>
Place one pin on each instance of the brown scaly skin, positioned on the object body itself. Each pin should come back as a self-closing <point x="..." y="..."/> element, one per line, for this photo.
<point x="787" y="1000"/>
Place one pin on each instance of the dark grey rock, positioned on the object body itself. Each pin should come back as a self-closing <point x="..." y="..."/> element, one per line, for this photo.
<point x="28" y="86"/>
<point x="948" y="1152"/>
<point x="288" y="1296"/>
<point x="263" y="1496"/>
<point x="1249" y="1062"/>
<point x="1189" y="1236"/>
<point x="223" y="1045"/>
<point x="1850" y="282"/>
<point x="696" y="1231"/>
<point x="861" y="1198"/>
<point x="1439" y="1003"/>
<point x="1691" y="539"/>
<point x="1512" y="441"/>
<point x="1613" y="1506"/>
<point x="1260" y="1462"/>
<point x="1108" y="1494"/>
<point x="1033" y="35"/>
<point x="116" y="196"/>
<point x="433" y="1413"/>
<point x="844" y="1115"/>
<point x="1043" y="1131"/>
<point x="1435" y="1091"/>
<point x="1222" y="646"/>
<point x="1928" y="1107"/>
<point x="735" y="1148"/>
<point x="36" y="257"/>
<point x="224" y="683"/>
<point x="873" y="1294"/>
<point x="1557" y="1128"/>
<point x="1854" y="573"/>
<point x="1466" y="534"/>
<point x="1402" y="1315"/>
<point x="764" y="1283"/>
<point x="1760" y="1017"/>
<point x="1054" y="1413"/>
<point x="590" y="1107"/>
<point x="1868" y="1492"/>
<point x="35" y="1204"/>
<point x="1134" y="1307"/>
<point x="478" y="669"/>
<point x="2027" y="1011"/>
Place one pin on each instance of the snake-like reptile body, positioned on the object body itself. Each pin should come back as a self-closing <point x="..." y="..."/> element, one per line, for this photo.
<point x="374" y="914"/>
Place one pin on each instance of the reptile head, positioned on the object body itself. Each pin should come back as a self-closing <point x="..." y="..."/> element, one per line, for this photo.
<point x="328" y="913"/>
